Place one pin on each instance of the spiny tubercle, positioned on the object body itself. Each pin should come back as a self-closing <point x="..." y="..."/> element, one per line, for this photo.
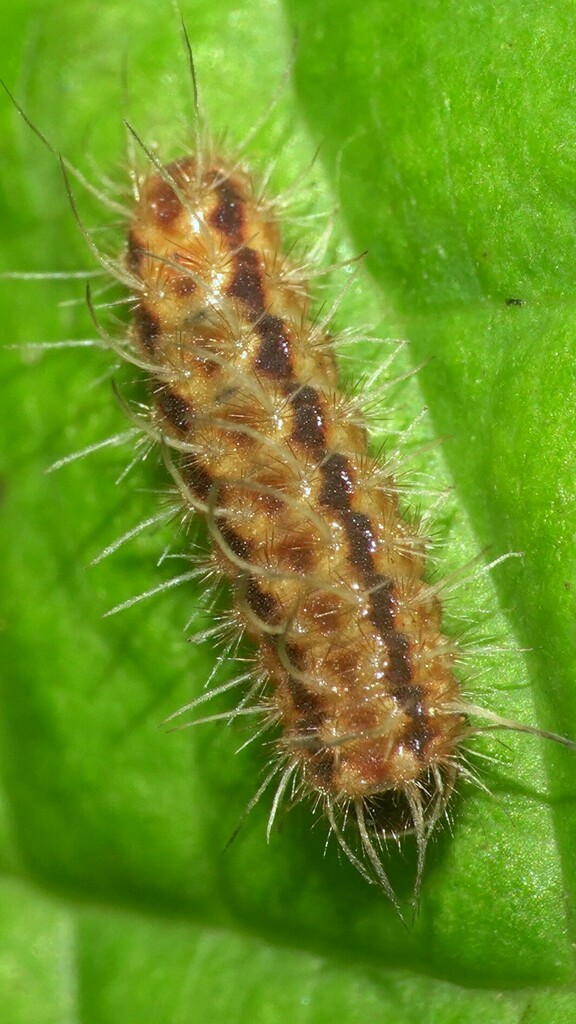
<point x="327" y="575"/>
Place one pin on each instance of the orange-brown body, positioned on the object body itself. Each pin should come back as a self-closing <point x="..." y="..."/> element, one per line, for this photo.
<point x="327" y="575"/>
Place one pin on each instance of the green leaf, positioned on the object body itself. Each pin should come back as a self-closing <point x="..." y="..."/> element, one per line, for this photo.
<point x="446" y="141"/>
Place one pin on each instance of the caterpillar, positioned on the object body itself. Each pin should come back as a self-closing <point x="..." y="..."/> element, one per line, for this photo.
<point x="328" y="576"/>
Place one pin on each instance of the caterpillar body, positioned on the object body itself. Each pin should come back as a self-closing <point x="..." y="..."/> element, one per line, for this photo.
<point x="328" y="576"/>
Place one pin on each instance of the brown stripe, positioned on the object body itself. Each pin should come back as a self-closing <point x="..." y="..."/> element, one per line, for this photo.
<point x="176" y="409"/>
<point x="337" y="483"/>
<point x="410" y="698"/>
<point x="246" y="283"/>
<point x="399" y="669"/>
<point x="196" y="477"/>
<point x="323" y="767"/>
<point x="228" y="217"/>
<point x="184" y="286"/>
<point x="320" y="763"/>
<point x="236" y="543"/>
<point x="382" y="610"/>
<point x="274" y="356"/>
<point x="335" y="493"/>
<point x="163" y="202"/>
<point x="307" y="704"/>
<point x="147" y="326"/>
<point x="360" y="540"/>
<point x="309" y="427"/>
<point x="382" y="602"/>
<point x="296" y="656"/>
<point x="418" y="733"/>
<point x="264" y="605"/>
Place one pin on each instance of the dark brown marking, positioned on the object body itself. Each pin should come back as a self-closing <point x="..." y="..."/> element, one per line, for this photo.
<point x="228" y="217"/>
<point x="382" y="602"/>
<point x="147" y="326"/>
<point x="409" y="697"/>
<point x="335" y="493"/>
<point x="322" y="767"/>
<point x="247" y="284"/>
<point x="262" y="604"/>
<point x="399" y="669"/>
<point x="274" y="357"/>
<point x="197" y="478"/>
<point x="418" y="734"/>
<point x="237" y="544"/>
<point x="184" y="286"/>
<point x="182" y="171"/>
<point x="296" y="656"/>
<point x="307" y="704"/>
<point x="337" y="483"/>
<point x="176" y="409"/>
<point x="382" y="611"/>
<point x="134" y="253"/>
<point x="360" y="540"/>
<point x="163" y="202"/>
<point x="309" y="425"/>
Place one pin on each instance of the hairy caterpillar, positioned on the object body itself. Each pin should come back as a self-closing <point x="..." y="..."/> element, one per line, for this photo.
<point x="271" y="433"/>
